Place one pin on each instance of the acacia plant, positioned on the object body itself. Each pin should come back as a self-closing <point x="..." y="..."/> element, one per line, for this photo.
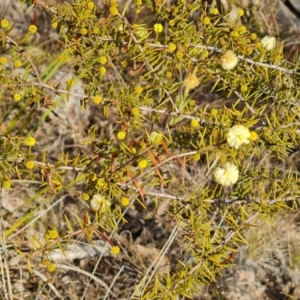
<point x="174" y="87"/>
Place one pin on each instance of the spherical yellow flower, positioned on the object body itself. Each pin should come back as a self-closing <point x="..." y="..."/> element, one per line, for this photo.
<point x="143" y="164"/>
<point x="168" y="74"/>
<point x="179" y="55"/>
<point x="226" y="175"/>
<point x="4" y="23"/>
<point x="90" y="5"/>
<point x="54" y="25"/>
<point x="241" y="12"/>
<point x="125" y="201"/>
<point x="171" y="47"/>
<point x="29" y="164"/>
<point x="238" y="135"/>
<point x="158" y="28"/>
<point x="253" y="36"/>
<point x="96" y="30"/>
<point x="115" y="250"/>
<point x="102" y="60"/>
<point x="242" y="29"/>
<point x="249" y="50"/>
<point x="101" y="183"/>
<point x="85" y="196"/>
<point x="214" y="112"/>
<point x="6" y="184"/>
<point x="121" y="135"/>
<point x="191" y="81"/>
<point x="135" y="111"/>
<point x="51" y="267"/>
<point x="229" y="60"/>
<point x="83" y="31"/>
<point x="3" y="60"/>
<point x="138" y="89"/>
<point x="51" y="234"/>
<point x="102" y="71"/>
<point x="18" y="63"/>
<point x="194" y="123"/>
<point x="17" y="97"/>
<point x="268" y="42"/>
<point x="234" y="33"/>
<point x="99" y="203"/>
<point x="244" y="88"/>
<point x="206" y="21"/>
<point x="114" y="10"/>
<point x="253" y="136"/>
<point x="215" y="11"/>
<point x="30" y="141"/>
<point x="32" y="29"/>
<point x="97" y="99"/>
<point x="196" y="157"/>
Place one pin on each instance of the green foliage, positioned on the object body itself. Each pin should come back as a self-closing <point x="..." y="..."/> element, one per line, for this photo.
<point x="147" y="67"/>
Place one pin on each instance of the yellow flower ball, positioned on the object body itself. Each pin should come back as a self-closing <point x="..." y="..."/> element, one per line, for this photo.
<point x="135" y="111"/>
<point x="215" y="11"/>
<point x="121" y="135"/>
<point x="194" y="123"/>
<point x="214" y="112"/>
<point x="6" y="184"/>
<point x="97" y="99"/>
<point x="30" y="141"/>
<point x="237" y="136"/>
<point x="241" y="12"/>
<point x="17" y="97"/>
<point x="102" y="60"/>
<point x="90" y="5"/>
<point x="114" y="11"/>
<point x="196" y="157"/>
<point x="229" y="60"/>
<point x="32" y="29"/>
<point x="249" y="50"/>
<point x="102" y="71"/>
<point x="85" y="196"/>
<point x="83" y="31"/>
<point x="244" y="88"/>
<point x="138" y="89"/>
<point x="115" y="250"/>
<point x="18" y="63"/>
<point x="234" y="33"/>
<point x="253" y="136"/>
<point x="179" y="54"/>
<point x="29" y="165"/>
<point x="51" y="234"/>
<point x="143" y="164"/>
<point x="171" y="47"/>
<point x="226" y="175"/>
<point x="169" y="74"/>
<point x="4" y="23"/>
<point x="242" y="29"/>
<point x="158" y="28"/>
<point x="206" y="21"/>
<point x="3" y="60"/>
<point x="96" y="30"/>
<point x="125" y="201"/>
<point x="253" y="36"/>
<point x="54" y="25"/>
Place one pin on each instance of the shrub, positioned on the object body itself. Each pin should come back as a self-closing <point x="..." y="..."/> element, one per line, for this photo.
<point x="149" y="72"/>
